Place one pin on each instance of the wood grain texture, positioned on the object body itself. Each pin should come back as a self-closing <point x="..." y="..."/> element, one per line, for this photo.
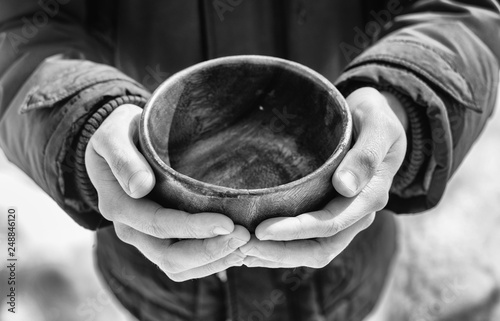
<point x="251" y="137"/>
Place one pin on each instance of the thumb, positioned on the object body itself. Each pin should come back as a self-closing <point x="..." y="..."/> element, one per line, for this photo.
<point x="114" y="141"/>
<point x="372" y="119"/>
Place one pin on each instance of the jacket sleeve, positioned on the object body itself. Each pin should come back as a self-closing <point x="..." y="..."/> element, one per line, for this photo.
<point x="53" y="78"/>
<point x="441" y="58"/>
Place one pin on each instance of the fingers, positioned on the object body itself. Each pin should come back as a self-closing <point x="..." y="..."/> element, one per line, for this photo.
<point x="337" y="215"/>
<point x="315" y="253"/>
<point x="188" y="258"/>
<point x="364" y="176"/>
<point x="189" y="254"/>
<point x="234" y="259"/>
<point x="376" y="129"/>
<point x="397" y="108"/>
<point x="112" y="174"/>
<point x="251" y="261"/>
<point x="122" y="177"/>
<point x="150" y="218"/>
<point x="115" y="141"/>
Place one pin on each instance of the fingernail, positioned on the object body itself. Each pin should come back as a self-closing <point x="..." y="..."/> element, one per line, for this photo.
<point x="236" y="243"/>
<point x="219" y="230"/>
<point x="138" y="180"/>
<point x="349" y="180"/>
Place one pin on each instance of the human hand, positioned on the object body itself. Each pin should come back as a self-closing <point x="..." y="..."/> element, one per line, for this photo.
<point x="363" y="180"/>
<point x="122" y="177"/>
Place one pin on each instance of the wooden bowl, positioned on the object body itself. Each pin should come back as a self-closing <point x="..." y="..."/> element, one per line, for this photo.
<point x="251" y="137"/>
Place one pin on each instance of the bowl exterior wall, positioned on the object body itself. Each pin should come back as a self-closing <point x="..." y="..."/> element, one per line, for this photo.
<point x="246" y="209"/>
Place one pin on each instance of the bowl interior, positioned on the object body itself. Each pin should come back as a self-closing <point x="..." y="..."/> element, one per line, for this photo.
<point x="245" y="125"/>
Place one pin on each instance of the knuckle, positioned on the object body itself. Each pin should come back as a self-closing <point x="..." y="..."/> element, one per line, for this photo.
<point x="189" y="226"/>
<point x="324" y="254"/>
<point x="392" y="124"/>
<point x="212" y="268"/>
<point x="119" y="160"/>
<point x="151" y="228"/>
<point x="107" y="144"/>
<point x="175" y="277"/>
<point x="211" y="249"/>
<point x="321" y="263"/>
<point x="102" y="138"/>
<point x="333" y="227"/>
<point x="394" y="128"/>
<point x="368" y="159"/>
<point x="297" y="232"/>
<point x="364" y="108"/>
<point x="320" y="260"/>
<point x="167" y="266"/>
<point x="227" y="261"/>
<point x="368" y="220"/>
<point x="97" y="140"/>
<point x="380" y="200"/>
<point x="107" y="209"/>
<point x="124" y="233"/>
<point x="281" y="256"/>
<point x="112" y="205"/>
<point x="155" y="227"/>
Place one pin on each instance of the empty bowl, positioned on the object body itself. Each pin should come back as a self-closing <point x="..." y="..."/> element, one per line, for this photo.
<point x="251" y="137"/>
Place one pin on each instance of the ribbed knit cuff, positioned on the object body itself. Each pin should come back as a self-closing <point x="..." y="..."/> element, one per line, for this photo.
<point x="87" y="191"/>
<point x="418" y="132"/>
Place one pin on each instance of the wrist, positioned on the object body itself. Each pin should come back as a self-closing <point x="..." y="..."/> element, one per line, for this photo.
<point x="397" y="107"/>
<point x="85" y="187"/>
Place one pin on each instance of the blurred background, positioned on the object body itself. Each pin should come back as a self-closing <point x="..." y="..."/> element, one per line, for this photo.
<point x="448" y="266"/>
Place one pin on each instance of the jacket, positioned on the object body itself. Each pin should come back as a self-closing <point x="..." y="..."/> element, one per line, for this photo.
<point x="66" y="64"/>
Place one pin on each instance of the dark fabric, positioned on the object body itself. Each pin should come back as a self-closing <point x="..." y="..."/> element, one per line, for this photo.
<point x="347" y="289"/>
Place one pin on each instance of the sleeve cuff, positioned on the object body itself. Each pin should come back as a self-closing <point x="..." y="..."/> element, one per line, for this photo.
<point x="416" y="157"/>
<point x="84" y="186"/>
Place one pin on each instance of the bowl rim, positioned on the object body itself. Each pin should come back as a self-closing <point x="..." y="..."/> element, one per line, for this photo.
<point x="212" y="189"/>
